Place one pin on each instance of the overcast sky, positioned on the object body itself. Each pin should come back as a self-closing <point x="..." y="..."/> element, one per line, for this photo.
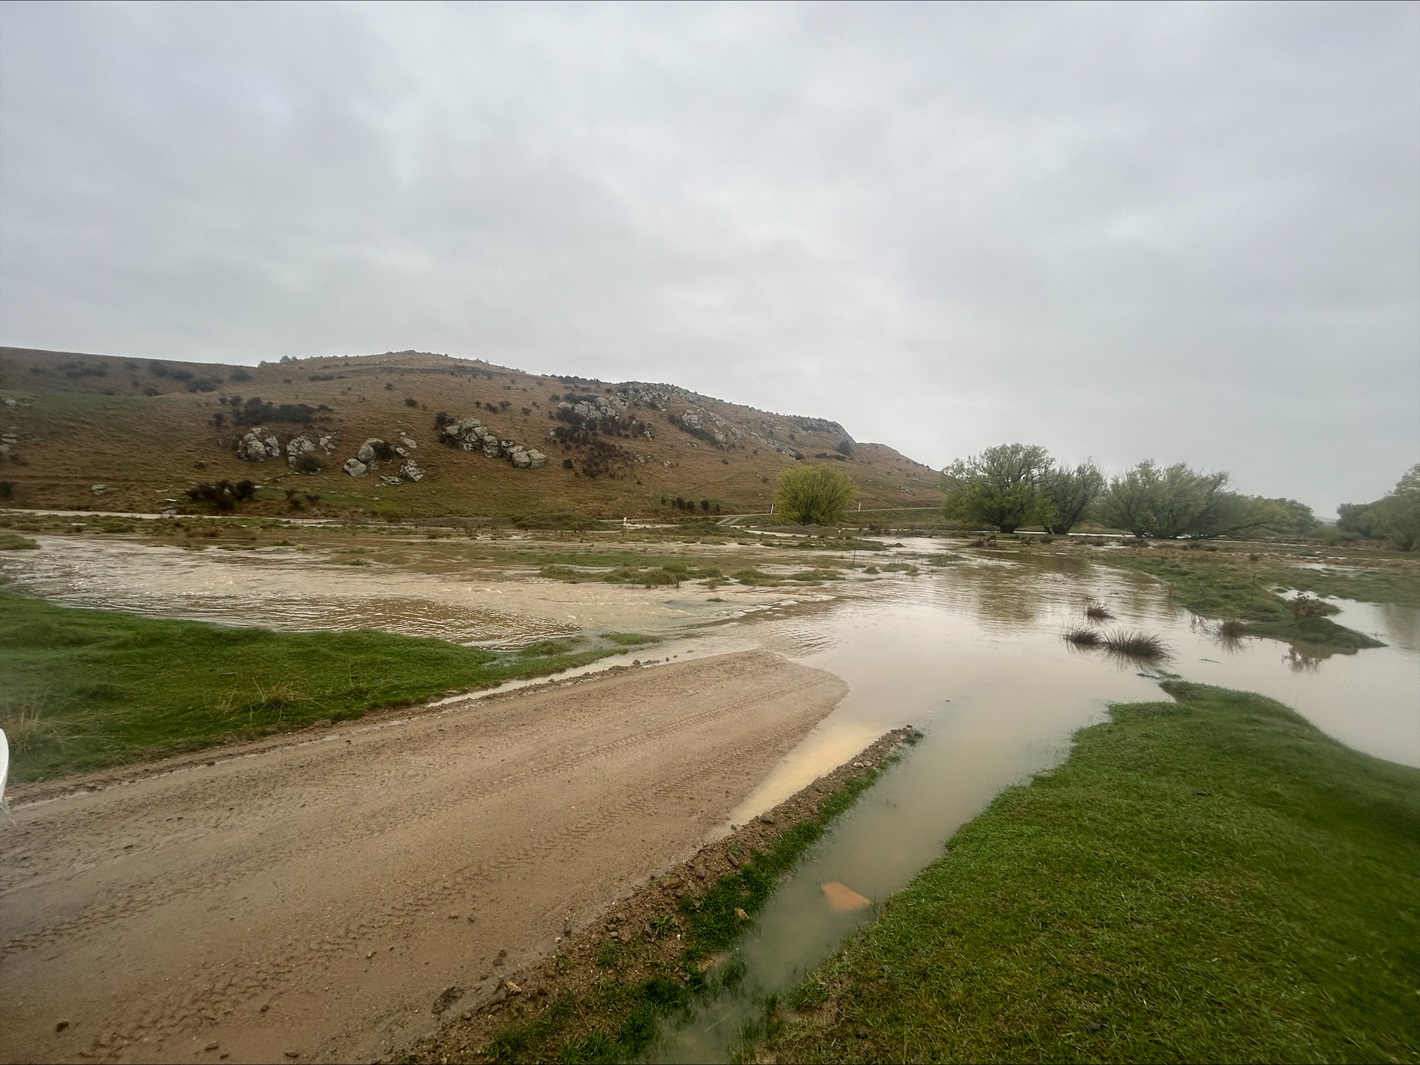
<point x="1188" y="233"/>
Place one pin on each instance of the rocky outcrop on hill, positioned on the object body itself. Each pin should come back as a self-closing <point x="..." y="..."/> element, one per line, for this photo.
<point x="470" y="434"/>
<point x="302" y="453"/>
<point x="376" y="452"/>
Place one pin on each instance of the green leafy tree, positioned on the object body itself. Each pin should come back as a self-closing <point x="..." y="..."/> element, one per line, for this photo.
<point x="814" y="495"/>
<point x="1280" y="517"/>
<point x="1356" y="519"/>
<point x="1396" y="516"/>
<point x="1066" y="495"/>
<point x="1001" y="487"/>
<point x="1172" y="501"/>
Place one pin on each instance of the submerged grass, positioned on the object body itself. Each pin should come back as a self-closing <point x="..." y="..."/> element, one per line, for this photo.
<point x="95" y="688"/>
<point x="1097" y="611"/>
<point x="1133" y="643"/>
<point x="1084" y="636"/>
<point x="1221" y="587"/>
<point x="1211" y="880"/>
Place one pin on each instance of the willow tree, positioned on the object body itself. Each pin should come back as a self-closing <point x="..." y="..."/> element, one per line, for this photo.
<point x="814" y="495"/>
<point x="1001" y="487"/>
<point x="1066" y="495"/>
<point x="1171" y="501"/>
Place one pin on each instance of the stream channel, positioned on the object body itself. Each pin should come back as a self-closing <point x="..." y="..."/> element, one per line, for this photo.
<point x="971" y="654"/>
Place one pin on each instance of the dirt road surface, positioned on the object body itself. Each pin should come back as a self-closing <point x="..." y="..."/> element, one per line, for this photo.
<point x="317" y="901"/>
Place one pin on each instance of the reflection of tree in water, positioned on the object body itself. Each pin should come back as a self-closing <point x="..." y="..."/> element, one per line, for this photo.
<point x="1305" y="659"/>
<point x="1003" y="600"/>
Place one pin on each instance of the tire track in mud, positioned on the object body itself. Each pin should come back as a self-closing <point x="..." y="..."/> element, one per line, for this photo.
<point x="168" y="1017"/>
<point x="232" y="867"/>
<point x="528" y="811"/>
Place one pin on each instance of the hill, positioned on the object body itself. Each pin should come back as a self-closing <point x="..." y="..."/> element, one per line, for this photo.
<point x="437" y="435"/>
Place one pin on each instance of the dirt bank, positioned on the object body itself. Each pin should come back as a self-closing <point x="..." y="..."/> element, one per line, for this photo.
<point x="578" y="966"/>
<point x="313" y="901"/>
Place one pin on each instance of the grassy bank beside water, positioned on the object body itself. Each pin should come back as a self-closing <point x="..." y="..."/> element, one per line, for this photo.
<point x="1212" y="880"/>
<point x="85" y="689"/>
<point x="1230" y="588"/>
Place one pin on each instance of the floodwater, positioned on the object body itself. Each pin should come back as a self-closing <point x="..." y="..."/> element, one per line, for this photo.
<point x="294" y="590"/>
<point x="971" y="654"/>
<point x="975" y="658"/>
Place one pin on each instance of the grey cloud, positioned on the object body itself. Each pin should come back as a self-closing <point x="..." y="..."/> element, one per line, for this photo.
<point x="1185" y="231"/>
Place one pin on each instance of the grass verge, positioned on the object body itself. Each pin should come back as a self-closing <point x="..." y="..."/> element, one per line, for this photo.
<point x="85" y="689"/>
<point x="1228" y="589"/>
<point x="1212" y="880"/>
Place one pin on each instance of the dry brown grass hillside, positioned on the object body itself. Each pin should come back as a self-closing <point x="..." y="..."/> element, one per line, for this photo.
<point x="148" y="431"/>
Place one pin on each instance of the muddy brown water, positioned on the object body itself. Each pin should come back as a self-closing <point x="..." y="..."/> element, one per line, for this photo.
<point x="975" y="658"/>
<point x="972" y="654"/>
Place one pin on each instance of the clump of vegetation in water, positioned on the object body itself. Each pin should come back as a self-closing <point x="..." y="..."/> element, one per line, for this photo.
<point x="1135" y="644"/>
<point x="1083" y="636"/>
<point x="1097" y="611"/>
<point x="15" y="542"/>
<point x="1207" y="880"/>
<point x="755" y="577"/>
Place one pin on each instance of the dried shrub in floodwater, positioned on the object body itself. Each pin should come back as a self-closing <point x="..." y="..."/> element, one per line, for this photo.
<point x="1232" y="629"/>
<point x="1083" y="637"/>
<point x="1134" y="644"/>
<point x="1097" y="611"/>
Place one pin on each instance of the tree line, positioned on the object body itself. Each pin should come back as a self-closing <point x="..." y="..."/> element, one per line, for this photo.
<point x="1394" y="517"/>
<point x="1014" y="486"/>
<point x="1017" y="486"/>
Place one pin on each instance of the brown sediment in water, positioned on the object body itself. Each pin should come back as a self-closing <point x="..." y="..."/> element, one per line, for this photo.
<point x="576" y="967"/>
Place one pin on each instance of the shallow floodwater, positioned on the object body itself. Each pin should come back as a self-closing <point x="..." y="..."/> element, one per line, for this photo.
<point x="294" y="590"/>
<point x="975" y="658"/>
<point x="970" y="653"/>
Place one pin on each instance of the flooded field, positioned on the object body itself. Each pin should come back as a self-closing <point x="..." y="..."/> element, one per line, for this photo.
<point x="975" y="658"/>
<point x="971" y="653"/>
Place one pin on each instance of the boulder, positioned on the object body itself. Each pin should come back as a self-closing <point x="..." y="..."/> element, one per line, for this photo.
<point x="411" y="471"/>
<point x="253" y="447"/>
<point x="298" y="446"/>
<point x="355" y="468"/>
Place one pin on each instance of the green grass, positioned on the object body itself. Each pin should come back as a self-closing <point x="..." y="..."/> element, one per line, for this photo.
<point x="643" y="981"/>
<point x="629" y="639"/>
<point x="15" y="542"/>
<point x="92" y="688"/>
<point x="619" y="568"/>
<point x="1214" y="880"/>
<point x="1231" y="589"/>
<point x="753" y="576"/>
